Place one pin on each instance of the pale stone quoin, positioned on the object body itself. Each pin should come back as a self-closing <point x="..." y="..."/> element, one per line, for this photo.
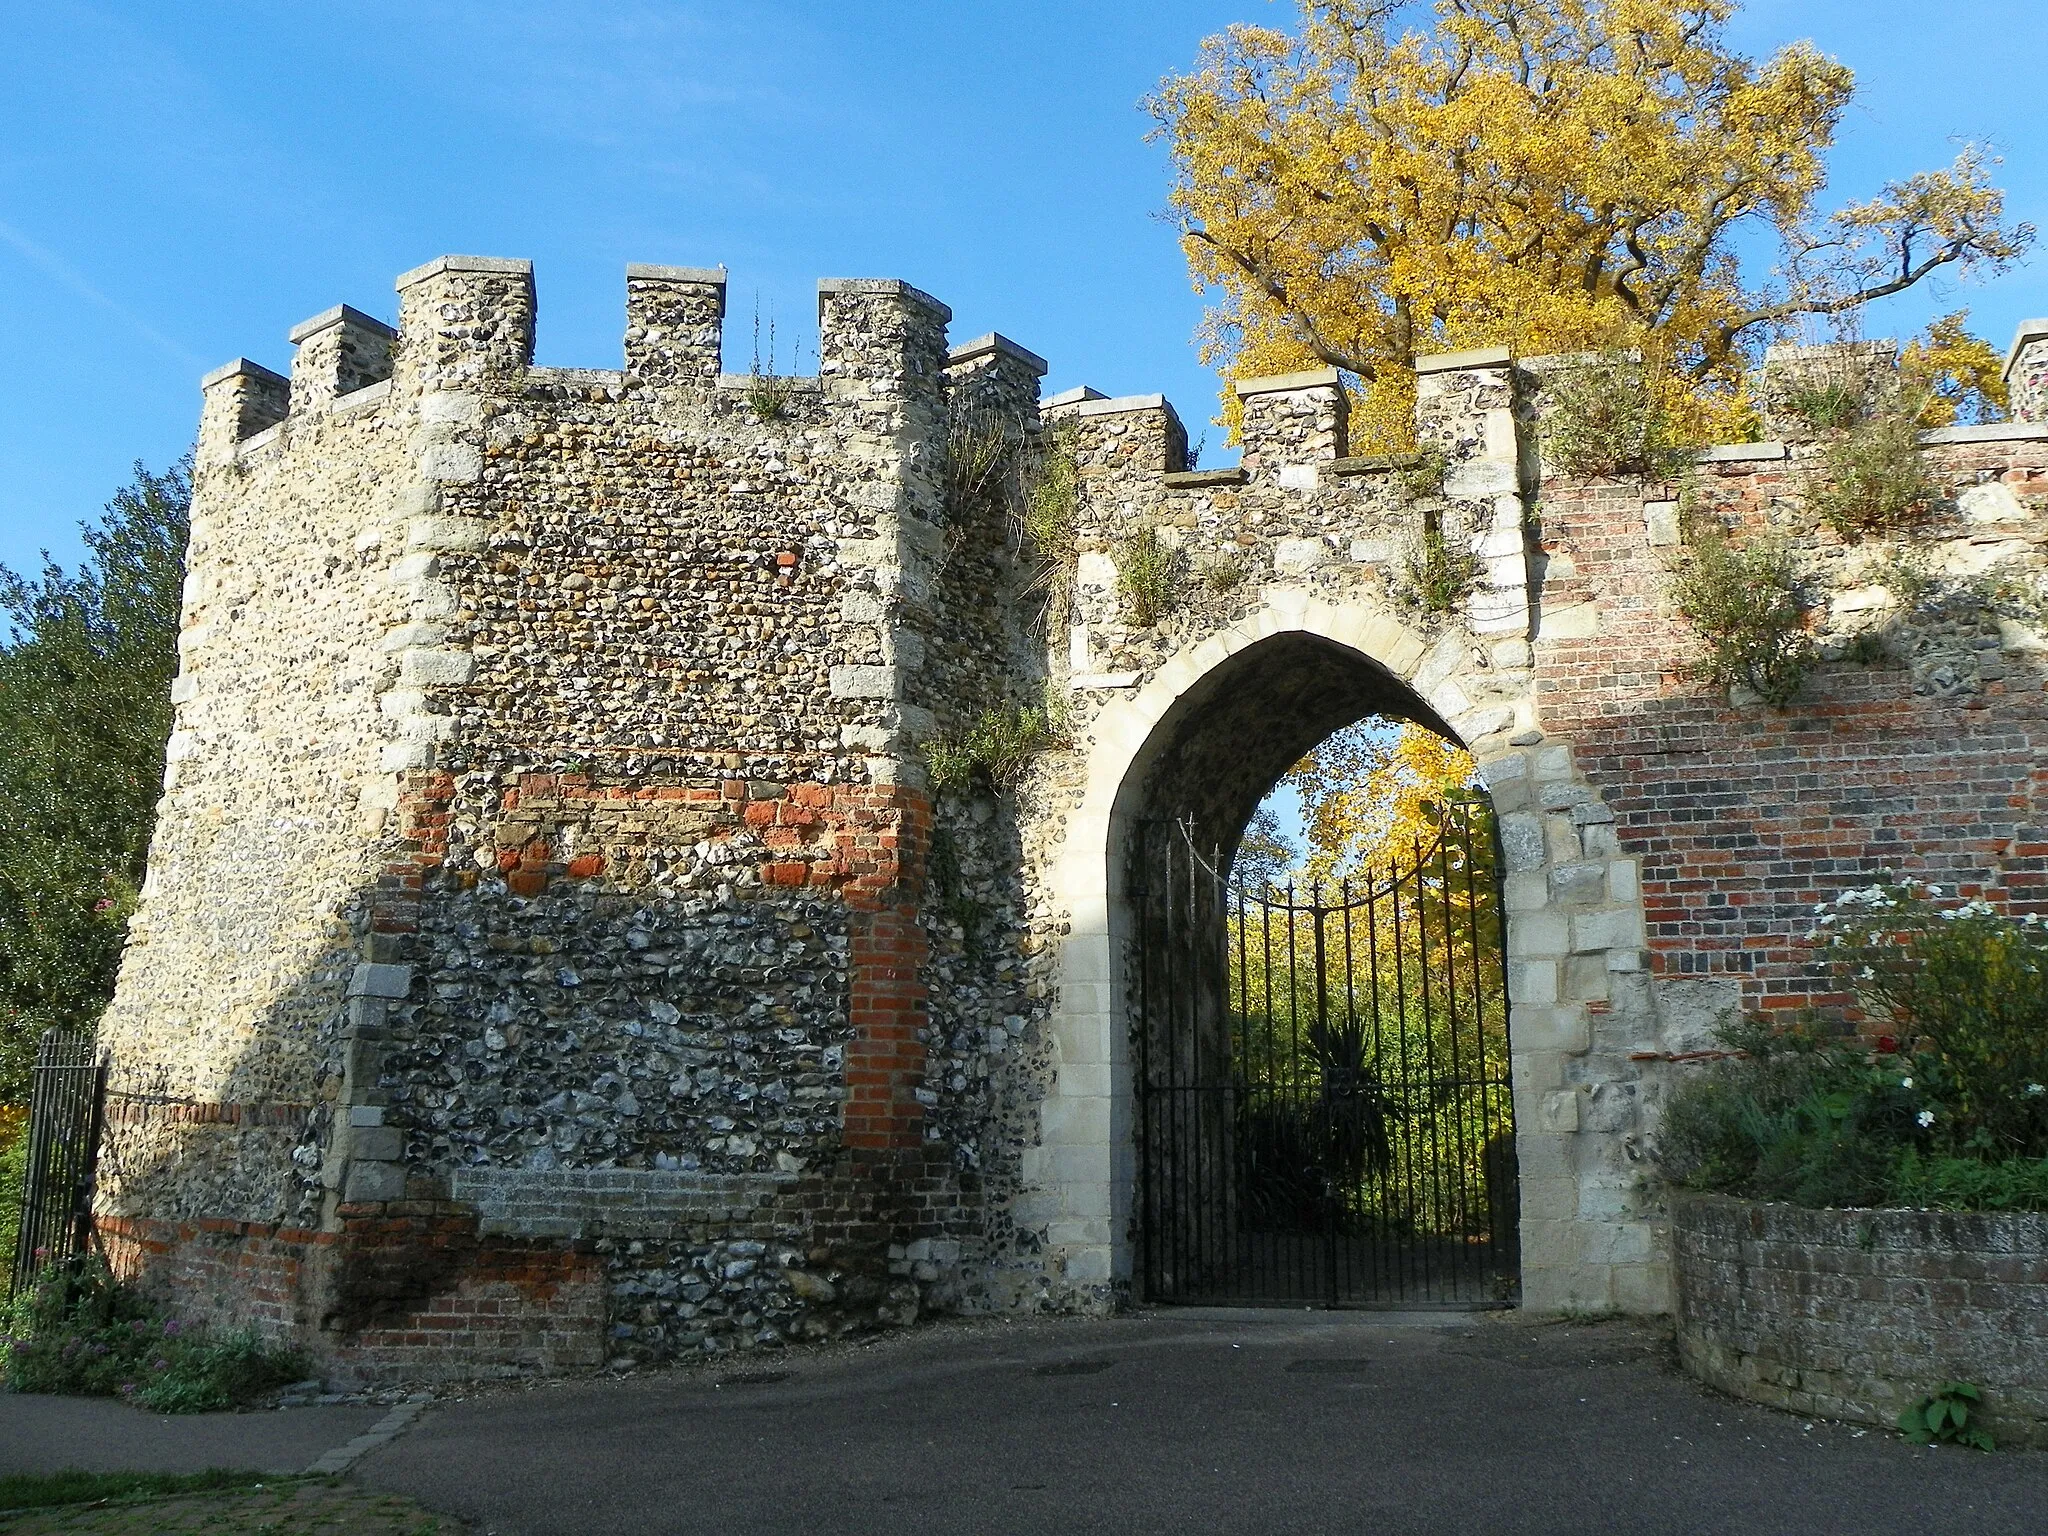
<point x="553" y="953"/>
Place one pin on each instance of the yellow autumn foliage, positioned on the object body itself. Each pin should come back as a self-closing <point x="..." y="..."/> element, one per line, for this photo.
<point x="1369" y="793"/>
<point x="1558" y="175"/>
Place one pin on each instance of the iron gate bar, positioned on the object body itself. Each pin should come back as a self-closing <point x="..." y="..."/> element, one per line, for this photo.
<point x="1278" y="1162"/>
<point x="67" y="1105"/>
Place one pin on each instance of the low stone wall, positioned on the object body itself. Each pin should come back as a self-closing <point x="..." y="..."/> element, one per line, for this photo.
<point x="1856" y="1314"/>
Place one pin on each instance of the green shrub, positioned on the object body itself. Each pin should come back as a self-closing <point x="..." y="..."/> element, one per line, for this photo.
<point x="1440" y="573"/>
<point x="13" y="1180"/>
<point x="1422" y="476"/>
<point x="994" y="750"/>
<point x="1225" y="572"/>
<point x="1944" y="1416"/>
<point x="1747" y="604"/>
<point x="1149" y="575"/>
<point x="1799" y="1115"/>
<point x="1964" y="992"/>
<point x="1605" y="418"/>
<point x="1870" y="479"/>
<point x="86" y="1334"/>
<point x="1949" y="1110"/>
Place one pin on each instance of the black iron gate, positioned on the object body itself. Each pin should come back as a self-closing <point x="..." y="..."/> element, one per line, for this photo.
<point x="1324" y="1106"/>
<point x="65" y="1113"/>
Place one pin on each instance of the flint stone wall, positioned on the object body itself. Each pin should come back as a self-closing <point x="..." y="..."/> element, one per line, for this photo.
<point x="1859" y="1314"/>
<point x="547" y="804"/>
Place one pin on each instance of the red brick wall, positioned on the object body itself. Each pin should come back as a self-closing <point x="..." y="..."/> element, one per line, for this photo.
<point x="405" y="1292"/>
<point x="1744" y="819"/>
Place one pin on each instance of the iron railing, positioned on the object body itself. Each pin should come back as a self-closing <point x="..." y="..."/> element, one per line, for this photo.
<point x="67" y="1108"/>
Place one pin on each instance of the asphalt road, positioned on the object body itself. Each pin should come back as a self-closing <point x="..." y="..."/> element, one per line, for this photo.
<point x="1179" y="1422"/>
<point x="98" y="1434"/>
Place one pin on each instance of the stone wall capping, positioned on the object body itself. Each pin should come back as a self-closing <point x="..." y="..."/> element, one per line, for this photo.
<point x="1273" y="383"/>
<point x="257" y="441"/>
<point x="1373" y="463"/>
<point x="241" y="367"/>
<point x="2029" y="331"/>
<point x="652" y="273"/>
<point x="1876" y="347"/>
<point x="604" y="376"/>
<point x="1079" y="394"/>
<point x="502" y="265"/>
<point x="1741" y="453"/>
<point x="1988" y="432"/>
<point x="1475" y="357"/>
<point x="340" y="314"/>
<point x="804" y="383"/>
<point x="994" y="343"/>
<point x="1202" y="479"/>
<point x="1098" y="405"/>
<point x="891" y="286"/>
<point x="368" y="398"/>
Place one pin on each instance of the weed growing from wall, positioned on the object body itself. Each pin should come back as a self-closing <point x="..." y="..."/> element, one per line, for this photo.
<point x="1869" y="479"/>
<point x="1747" y="603"/>
<point x="1149" y="575"/>
<point x="1604" y="418"/>
<point x="1045" y="519"/>
<point x="768" y="394"/>
<point x="1225" y="572"/>
<point x="995" y="749"/>
<point x="981" y="462"/>
<point x="1421" y="476"/>
<point x="1440" y="574"/>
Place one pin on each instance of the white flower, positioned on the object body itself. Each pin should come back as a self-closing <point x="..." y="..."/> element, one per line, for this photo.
<point x="2035" y="1090"/>
<point x="1905" y="1082"/>
<point x="1866" y="974"/>
<point x="1925" y="1117"/>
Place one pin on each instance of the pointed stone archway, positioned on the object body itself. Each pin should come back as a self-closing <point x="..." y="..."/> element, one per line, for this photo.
<point x="1302" y="666"/>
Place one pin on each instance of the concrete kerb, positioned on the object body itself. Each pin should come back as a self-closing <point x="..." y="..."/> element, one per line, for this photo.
<point x="381" y="1433"/>
<point x="1569" y="1253"/>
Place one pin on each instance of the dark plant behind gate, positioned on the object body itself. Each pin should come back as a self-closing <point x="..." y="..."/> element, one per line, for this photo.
<point x="69" y="1098"/>
<point x="1324" y="1097"/>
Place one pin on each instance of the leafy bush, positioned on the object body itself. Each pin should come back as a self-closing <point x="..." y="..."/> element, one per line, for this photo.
<point x="88" y="1335"/>
<point x="1870" y="479"/>
<point x="1799" y="1116"/>
<point x="1149" y="574"/>
<point x="1606" y="418"/>
<point x="1964" y="990"/>
<point x="1950" y="1110"/>
<point x="1746" y="602"/>
<point x="13" y="1178"/>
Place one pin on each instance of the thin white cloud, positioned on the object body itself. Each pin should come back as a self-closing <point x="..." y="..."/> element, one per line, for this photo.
<point x="62" y="272"/>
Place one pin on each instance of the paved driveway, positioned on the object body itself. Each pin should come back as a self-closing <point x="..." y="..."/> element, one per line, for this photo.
<point x="1182" y="1422"/>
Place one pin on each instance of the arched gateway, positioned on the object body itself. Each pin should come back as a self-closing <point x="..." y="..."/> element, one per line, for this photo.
<point x="1203" y="741"/>
<point x="616" y="896"/>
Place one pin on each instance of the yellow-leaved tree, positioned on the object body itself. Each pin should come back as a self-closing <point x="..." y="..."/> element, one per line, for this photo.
<point x="1370" y="796"/>
<point x="1558" y="175"/>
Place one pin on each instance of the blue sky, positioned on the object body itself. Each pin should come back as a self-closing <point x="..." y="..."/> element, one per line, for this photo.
<point x="181" y="182"/>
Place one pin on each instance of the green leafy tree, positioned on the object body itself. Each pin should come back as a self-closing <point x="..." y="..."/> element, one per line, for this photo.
<point x="85" y="710"/>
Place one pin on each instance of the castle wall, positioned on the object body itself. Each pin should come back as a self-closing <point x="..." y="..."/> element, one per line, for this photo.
<point x="550" y="918"/>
